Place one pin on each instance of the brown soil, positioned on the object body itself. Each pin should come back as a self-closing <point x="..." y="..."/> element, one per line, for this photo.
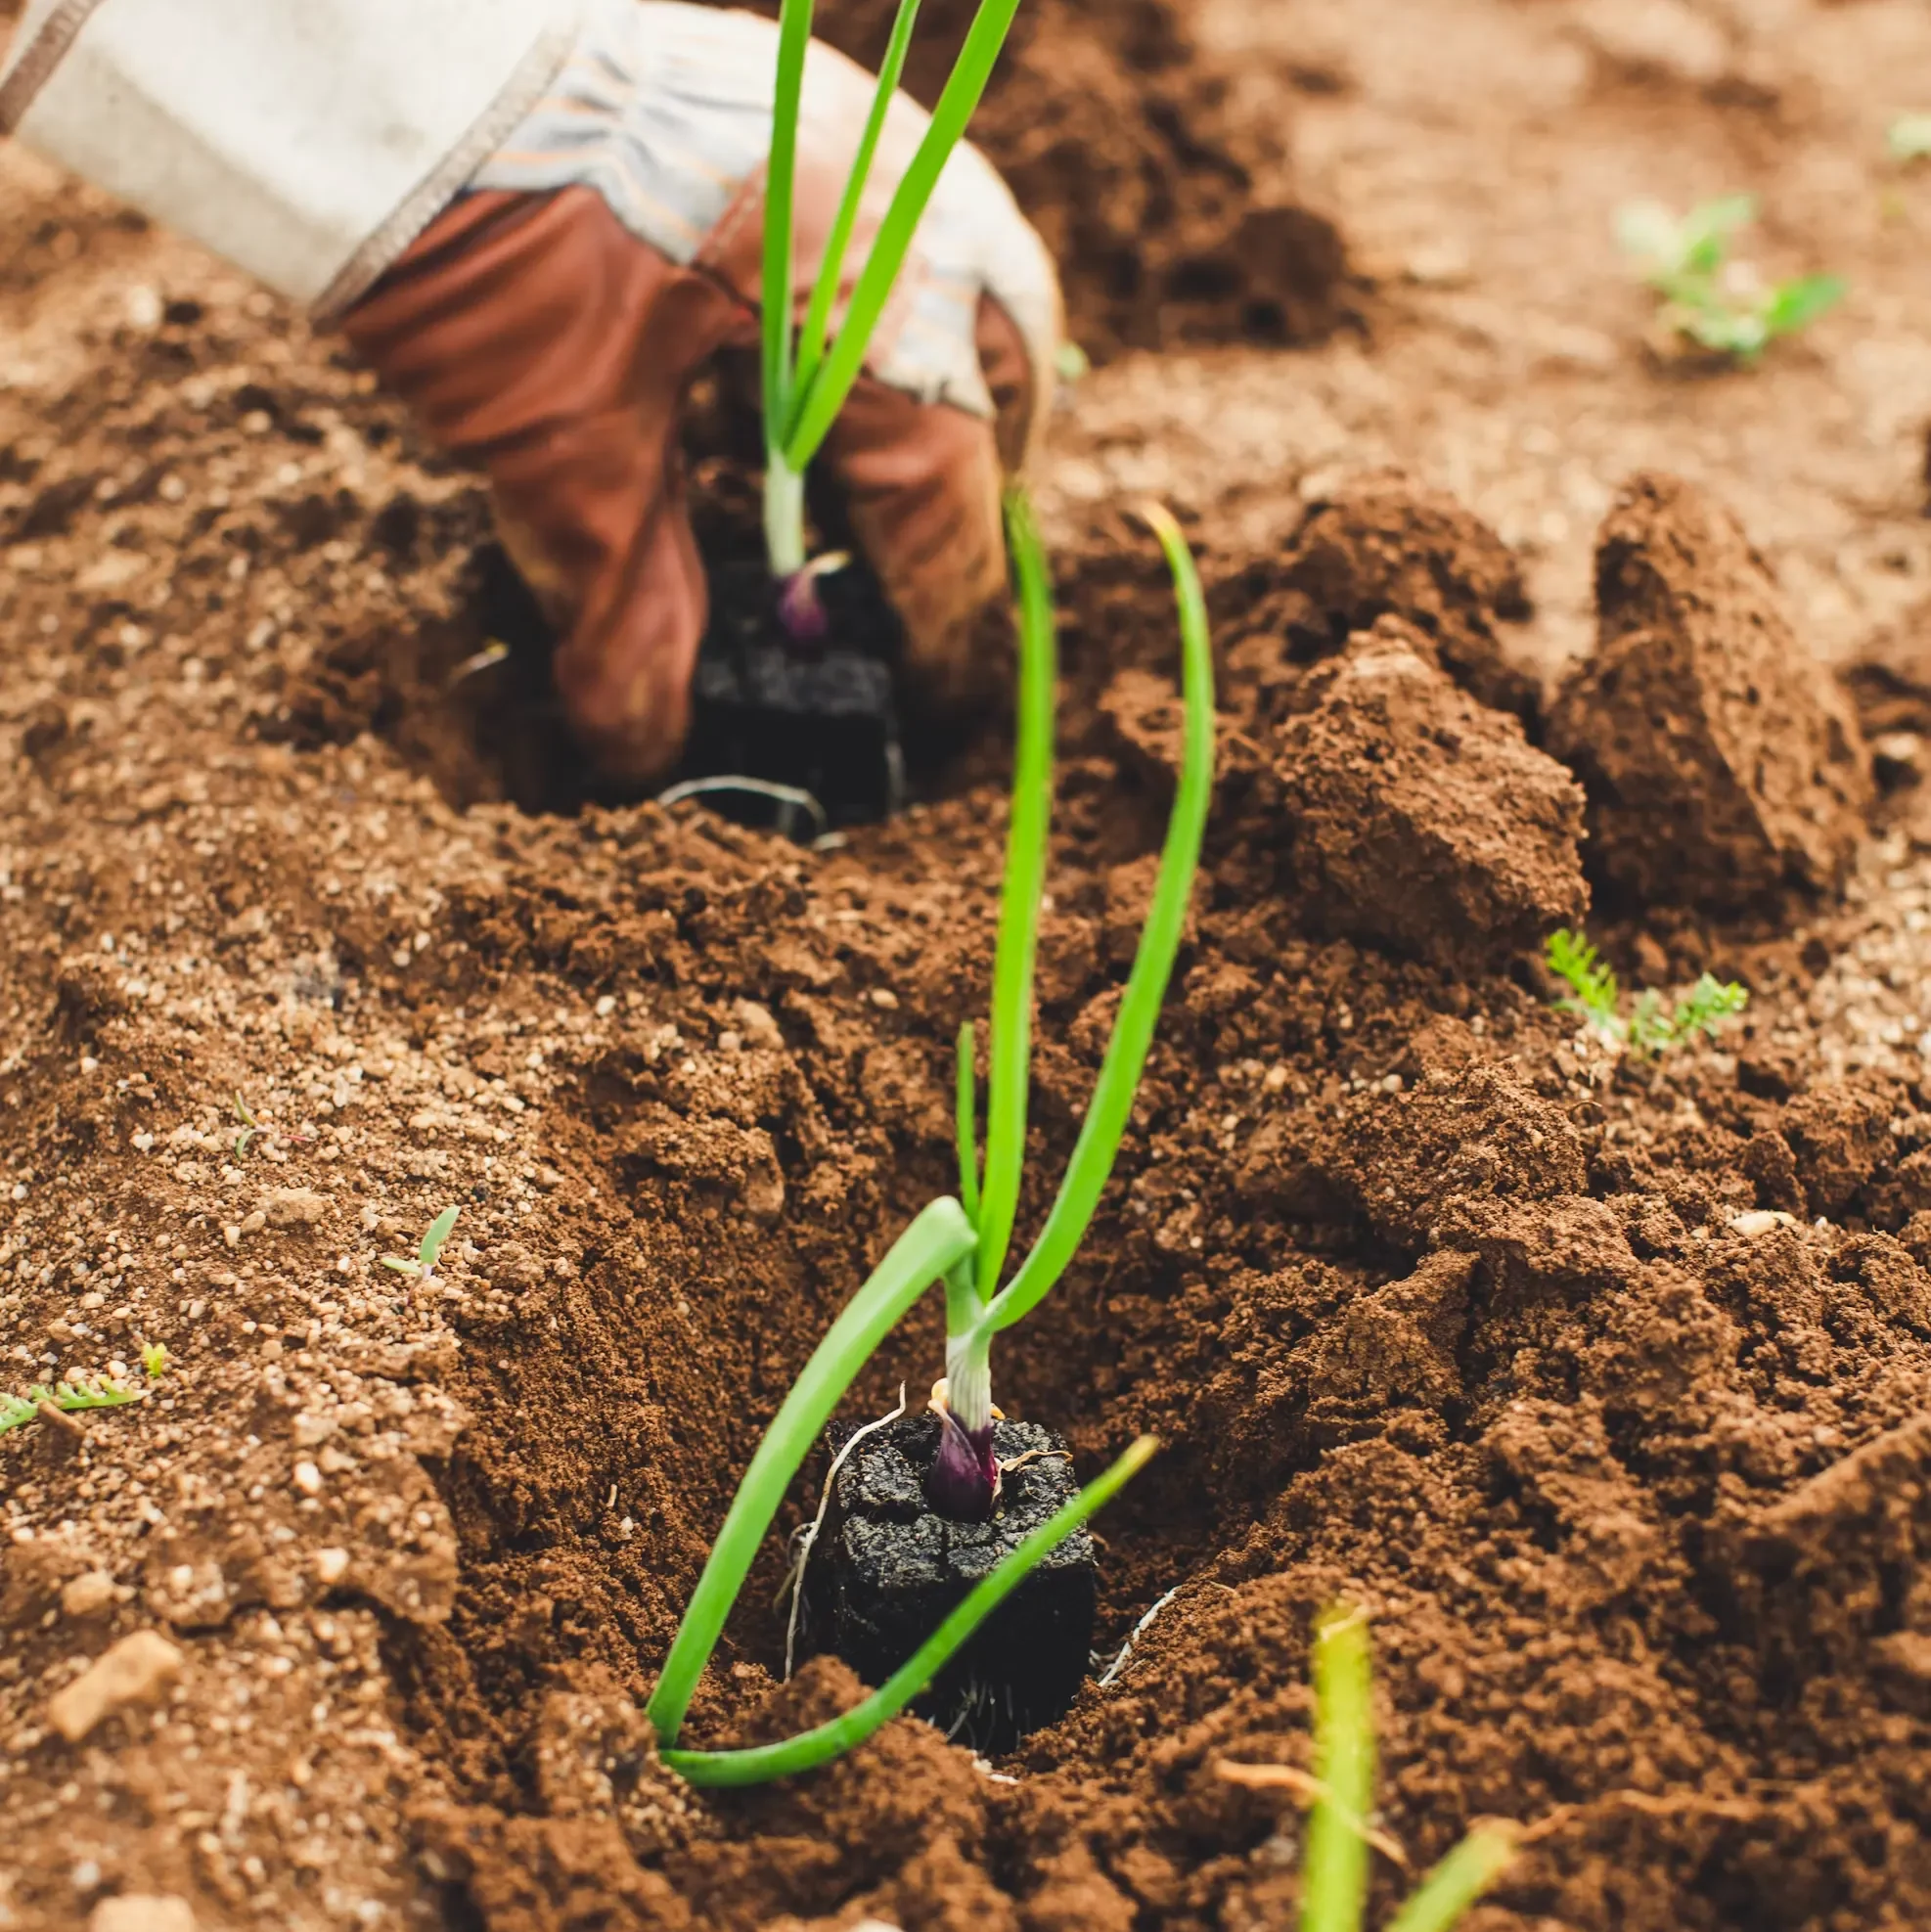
<point x="1601" y="1386"/>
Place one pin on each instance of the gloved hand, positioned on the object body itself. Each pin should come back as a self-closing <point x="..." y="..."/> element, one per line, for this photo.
<point x="539" y="219"/>
<point x="548" y="326"/>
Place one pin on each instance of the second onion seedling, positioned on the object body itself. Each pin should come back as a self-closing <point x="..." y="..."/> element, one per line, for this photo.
<point x="808" y="370"/>
<point x="963" y="1244"/>
<point x="1340" y="1794"/>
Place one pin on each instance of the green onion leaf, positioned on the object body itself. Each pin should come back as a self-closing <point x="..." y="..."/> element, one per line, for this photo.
<point x="832" y="384"/>
<point x="1019" y="905"/>
<point x="1159" y="944"/>
<point x="781" y="175"/>
<point x="965" y="1113"/>
<point x="825" y="292"/>
<point x="1458" y="1880"/>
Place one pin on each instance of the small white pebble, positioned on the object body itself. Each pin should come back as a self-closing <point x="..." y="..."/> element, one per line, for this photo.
<point x="607" y="1006"/>
<point x="330" y="1565"/>
<point x="885" y="997"/>
<point x="308" y="1478"/>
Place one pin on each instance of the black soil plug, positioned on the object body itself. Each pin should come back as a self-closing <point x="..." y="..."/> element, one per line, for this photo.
<point x="886" y="1569"/>
<point x="823" y="721"/>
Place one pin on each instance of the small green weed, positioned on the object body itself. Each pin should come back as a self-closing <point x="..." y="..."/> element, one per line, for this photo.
<point x="251" y="1126"/>
<point x="424" y="1263"/>
<point x="1652" y="1028"/>
<point x="1714" y="301"/>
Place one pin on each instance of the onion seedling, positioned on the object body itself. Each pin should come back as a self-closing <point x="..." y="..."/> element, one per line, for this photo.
<point x="965" y="1480"/>
<point x="808" y="371"/>
<point x="946" y="1241"/>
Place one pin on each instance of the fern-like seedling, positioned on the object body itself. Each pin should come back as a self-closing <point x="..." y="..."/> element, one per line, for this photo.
<point x="1593" y="992"/>
<point x="1701" y="1010"/>
<point x="1652" y="1028"/>
<point x="84" y="1392"/>
<point x="424" y="1266"/>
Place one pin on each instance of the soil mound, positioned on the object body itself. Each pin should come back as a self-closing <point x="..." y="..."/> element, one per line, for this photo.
<point x="1723" y="767"/>
<point x="1420" y="818"/>
<point x="1382" y="544"/>
<point x="1158" y="175"/>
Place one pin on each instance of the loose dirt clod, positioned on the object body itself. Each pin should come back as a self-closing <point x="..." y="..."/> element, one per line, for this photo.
<point x="1383" y="544"/>
<point x="1723" y="767"/>
<point x="1420" y="818"/>
<point x="134" y="1670"/>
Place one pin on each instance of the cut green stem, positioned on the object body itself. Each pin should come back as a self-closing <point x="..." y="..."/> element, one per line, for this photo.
<point x="1336" y="1872"/>
<point x="760" y="1763"/>
<point x="1011" y="1046"/>
<point x="1113" y="1092"/>
<point x="940" y="1238"/>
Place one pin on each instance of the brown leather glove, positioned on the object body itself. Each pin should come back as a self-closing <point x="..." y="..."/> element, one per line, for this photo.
<point x="538" y="337"/>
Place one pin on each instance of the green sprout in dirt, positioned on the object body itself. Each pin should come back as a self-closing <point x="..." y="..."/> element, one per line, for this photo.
<point x="808" y="369"/>
<point x="1909" y="138"/>
<point x="1340" y="1795"/>
<point x="1652" y="1028"/>
<point x="964" y="1245"/>
<point x="1718" y="303"/>
<point x="424" y="1266"/>
<point x="251" y="1126"/>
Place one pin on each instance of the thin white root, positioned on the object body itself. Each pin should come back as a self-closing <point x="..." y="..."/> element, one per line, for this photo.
<point x="817" y="1523"/>
<point x="1134" y="1635"/>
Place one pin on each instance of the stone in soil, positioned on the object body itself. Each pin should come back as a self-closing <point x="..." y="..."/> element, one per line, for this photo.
<point x="1723" y="767"/>
<point x="134" y="1670"/>
<point x="888" y="1570"/>
<point x="1418" y="817"/>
